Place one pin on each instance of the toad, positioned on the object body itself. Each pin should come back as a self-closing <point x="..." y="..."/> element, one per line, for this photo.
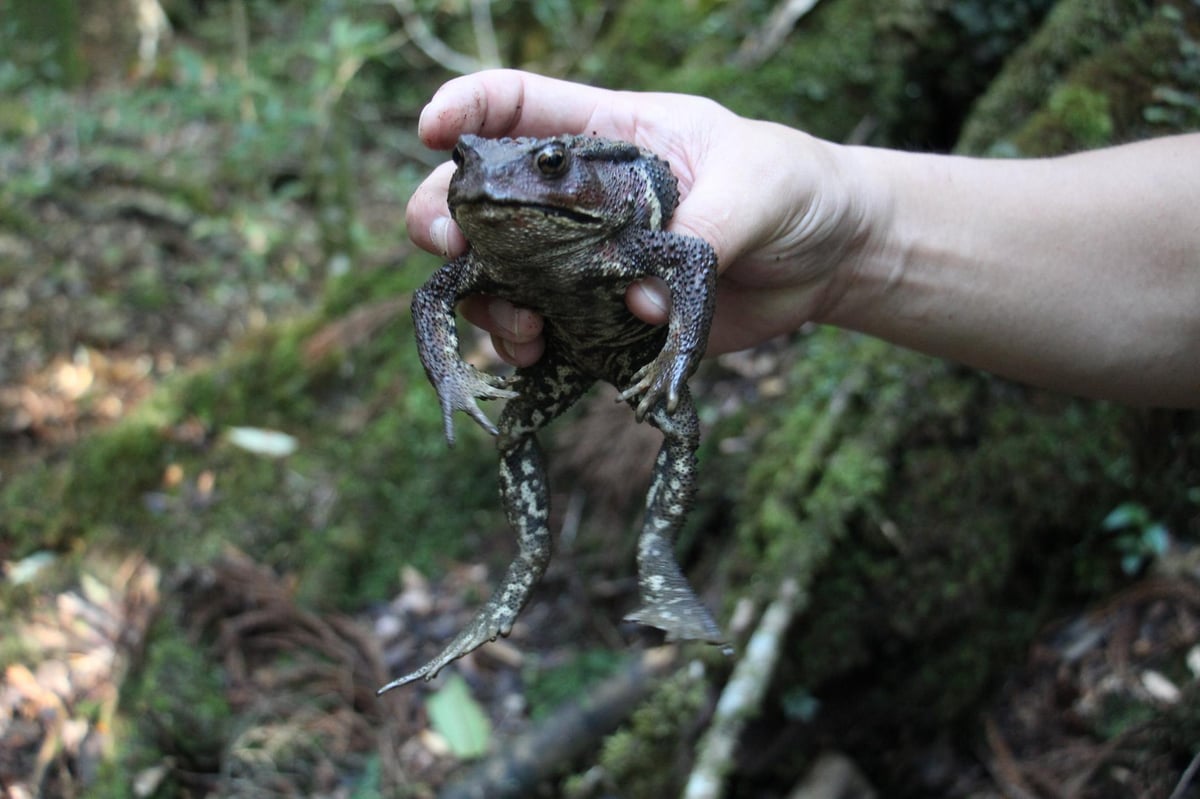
<point x="563" y="225"/>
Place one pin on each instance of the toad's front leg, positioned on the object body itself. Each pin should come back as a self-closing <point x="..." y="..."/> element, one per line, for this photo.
<point x="667" y="600"/>
<point x="689" y="267"/>
<point x="458" y="384"/>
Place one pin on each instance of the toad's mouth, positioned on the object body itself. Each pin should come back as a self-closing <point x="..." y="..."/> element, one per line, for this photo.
<point x="579" y="217"/>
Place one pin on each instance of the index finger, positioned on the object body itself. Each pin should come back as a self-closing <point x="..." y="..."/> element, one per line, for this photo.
<point x="507" y="102"/>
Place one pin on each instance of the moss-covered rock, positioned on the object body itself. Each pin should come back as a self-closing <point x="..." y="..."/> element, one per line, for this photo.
<point x="1095" y="73"/>
<point x="1146" y="84"/>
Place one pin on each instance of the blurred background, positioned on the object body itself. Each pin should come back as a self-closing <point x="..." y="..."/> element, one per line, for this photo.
<point x="228" y="515"/>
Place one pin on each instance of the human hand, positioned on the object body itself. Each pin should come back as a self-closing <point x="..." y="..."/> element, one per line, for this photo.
<point x="779" y="207"/>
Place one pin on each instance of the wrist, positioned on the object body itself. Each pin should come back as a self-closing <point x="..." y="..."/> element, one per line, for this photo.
<point x="867" y="254"/>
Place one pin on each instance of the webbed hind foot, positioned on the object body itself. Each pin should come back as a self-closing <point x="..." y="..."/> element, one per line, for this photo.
<point x="492" y="621"/>
<point x="668" y="603"/>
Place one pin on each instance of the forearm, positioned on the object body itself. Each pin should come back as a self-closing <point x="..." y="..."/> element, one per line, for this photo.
<point x="1079" y="273"/>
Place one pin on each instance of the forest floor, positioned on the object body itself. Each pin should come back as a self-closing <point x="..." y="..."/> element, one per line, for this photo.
<point x="112" y="289"/>
<point x="79" y="644"/>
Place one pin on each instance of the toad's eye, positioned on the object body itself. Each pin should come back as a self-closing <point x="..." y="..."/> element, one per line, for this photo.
<point x="457" y="155"/>
<point x="552" y="160"/>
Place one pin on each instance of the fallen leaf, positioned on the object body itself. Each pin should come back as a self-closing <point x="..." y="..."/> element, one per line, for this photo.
<point x="268" y="443"/>
<point x="459" y="719"/>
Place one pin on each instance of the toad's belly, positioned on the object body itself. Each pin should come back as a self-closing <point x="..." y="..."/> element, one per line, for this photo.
<point x="611" y="352"/>
<point x="590" y="326"/>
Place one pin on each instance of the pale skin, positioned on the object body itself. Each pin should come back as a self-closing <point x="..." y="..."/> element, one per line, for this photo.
<point x="1079" y="274"/>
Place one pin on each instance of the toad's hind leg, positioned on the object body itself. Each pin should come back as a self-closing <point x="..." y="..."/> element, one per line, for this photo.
<point x="667" y="601"/>
<point x="548" y="388"/>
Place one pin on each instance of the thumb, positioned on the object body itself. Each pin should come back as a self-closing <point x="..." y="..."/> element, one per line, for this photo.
<point x="649" y="300"/>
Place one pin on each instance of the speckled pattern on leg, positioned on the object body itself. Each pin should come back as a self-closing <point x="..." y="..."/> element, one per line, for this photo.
<point x="549" y="388"/>
<point x="459" y="383"/>
<point x="667" y="600"/>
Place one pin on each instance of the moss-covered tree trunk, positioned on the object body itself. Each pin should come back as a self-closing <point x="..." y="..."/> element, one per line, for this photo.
<point x="938" y="518"/>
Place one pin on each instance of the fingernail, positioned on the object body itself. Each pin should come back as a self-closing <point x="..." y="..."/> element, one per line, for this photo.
<point x="421" y="124"/>
<point x="439" y="234"/>
<point x="504" y="314"/>
<point x="655" y="297"/>
<point x="427" y="118"/>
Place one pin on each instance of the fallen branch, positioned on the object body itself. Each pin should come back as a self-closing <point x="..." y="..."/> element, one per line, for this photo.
<point x="742" y="695"/>
<point x="1002" y="765"/>
<point x="1188" y="775"/>
<point x="568" y="733"/>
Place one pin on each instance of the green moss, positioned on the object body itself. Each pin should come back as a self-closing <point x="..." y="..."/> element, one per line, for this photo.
<point x="824" y="77"/>
<point x="810" y="474"/>
<point x="359" y="287"/>
<point x="43" y="38"/>
<point x="265" y="382"/>
<point x="1119" y="713"/>
<point x="1073" y="31"/>
<point x="110" y="472"/>
<point x="637" y="759"/>
<point x="657" y="37"/>
<point x="409" y="499"/>
<point x="547" y="689"/>
<point x="372" y="486"/>
<point x="174" y="710"/>
<point x="1135" y="88"/>
<point x="911" y="499"/>
<point x="1075" y="118"/>
<point x="32" y="512"/>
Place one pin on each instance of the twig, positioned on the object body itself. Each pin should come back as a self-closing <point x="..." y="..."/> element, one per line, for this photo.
<point x="758" y="46"/>
<point x="1003" y="765"/>
<point x="485" y="33"/>
<point x="1189" y="774"/>
<point x="152" y="27"/>
<point x="240" y="33"/>
<point x="742" y="696"/>
<point x="582" y="33"/>
<point x="347" y="68"/>
<point x="428" y="42"/>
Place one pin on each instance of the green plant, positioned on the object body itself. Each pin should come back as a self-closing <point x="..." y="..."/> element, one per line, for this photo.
<point x="1137" y="535"/>
<point x="549" y="688"/>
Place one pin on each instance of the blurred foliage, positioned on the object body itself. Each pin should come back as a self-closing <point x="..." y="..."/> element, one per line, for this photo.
<point x="41" y="42"/>
<point x="458" y="718"/>
<point x="548" y="688"/>
<point x="1095" y="74"/>
<point x="178" y="699"/>
<point x="1137" y="536"/>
